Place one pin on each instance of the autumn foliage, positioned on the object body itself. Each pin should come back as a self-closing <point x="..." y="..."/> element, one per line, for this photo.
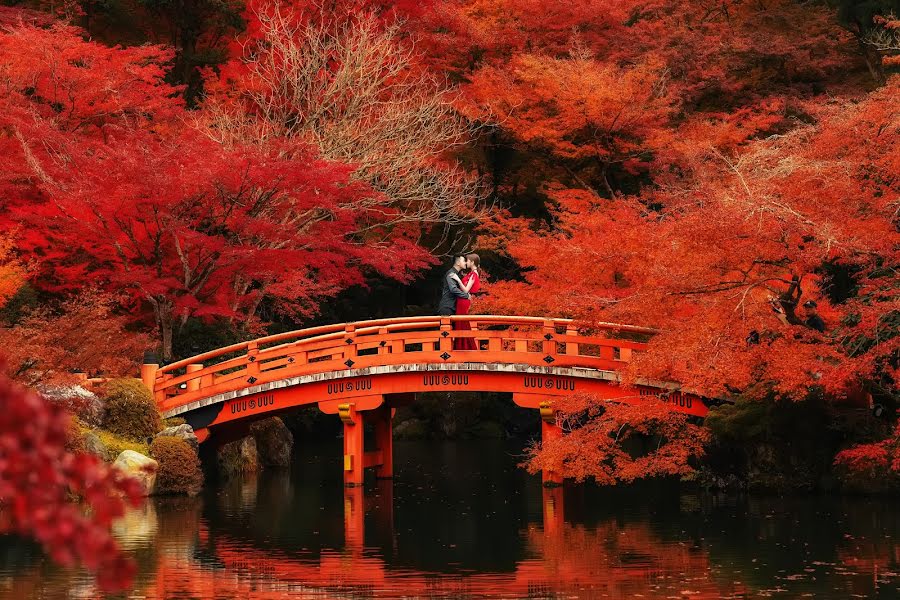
<point x="12" y="275"/>
<point x="129" y="410"/>
<point x="736" y="191"/>
<point x="615" y="442"/>
<point x="108" y="182"/>
<point x="38" y="479"/>
<point x="875" y="459"/>
<point x="179" y="467"/>
<point x="84" y="333"/>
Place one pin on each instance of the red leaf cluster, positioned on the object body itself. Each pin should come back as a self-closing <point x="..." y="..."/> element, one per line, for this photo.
<point x="872" y="458"/>
<point x="82" y="334"/>
<point x="597" y="437"/>
<point x="39" y="477"/>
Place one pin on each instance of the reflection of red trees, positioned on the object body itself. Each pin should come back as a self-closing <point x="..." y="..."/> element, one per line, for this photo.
<point x="617" y="560"/>
<point x="620" y="561"/>
<point x="38" y="478"/>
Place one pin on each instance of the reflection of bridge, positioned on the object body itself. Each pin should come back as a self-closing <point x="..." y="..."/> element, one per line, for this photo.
<point x="362" y="371"/>
<point x="614" y="559"/>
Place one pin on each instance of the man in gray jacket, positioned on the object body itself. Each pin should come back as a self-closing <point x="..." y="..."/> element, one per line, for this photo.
<point x="452" y="288"/>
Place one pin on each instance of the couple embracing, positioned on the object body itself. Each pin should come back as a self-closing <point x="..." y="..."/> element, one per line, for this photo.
<point x="460" y="282"/>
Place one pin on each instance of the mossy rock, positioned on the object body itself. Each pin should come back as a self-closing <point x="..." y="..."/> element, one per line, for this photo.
<point x="129" y="410"/>
<point x="274" y="442"/>
<point x="80" y="439"/>
<point x="237" y="457"/>
<point x="115" y="444"/>
<point x="179" y="466"/>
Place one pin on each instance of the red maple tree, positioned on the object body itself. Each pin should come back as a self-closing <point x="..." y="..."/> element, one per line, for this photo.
<point x="110" y="185"/>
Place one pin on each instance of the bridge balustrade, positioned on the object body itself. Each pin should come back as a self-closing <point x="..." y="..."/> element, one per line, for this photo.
<point x="421" y="340"/>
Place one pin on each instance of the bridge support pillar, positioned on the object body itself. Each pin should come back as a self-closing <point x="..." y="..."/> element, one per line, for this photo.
<point x="550" y="431"/>
<point x="384" y="441"/>
<point x="356" y="459"/>
<point x="354" y="449"/>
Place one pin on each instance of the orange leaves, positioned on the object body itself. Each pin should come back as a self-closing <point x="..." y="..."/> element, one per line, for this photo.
<point x="575" y="107"/>
<point x="725" y="255"/>
<point x="872" y="459"/>
<point x="613" y="442"/>
<point x="81" y="334"/>
<point x="80" y="85"/>
<point x="12" y="275"/>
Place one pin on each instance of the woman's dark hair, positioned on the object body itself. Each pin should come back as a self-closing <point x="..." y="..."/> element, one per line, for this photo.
<point x="474" y="258"/>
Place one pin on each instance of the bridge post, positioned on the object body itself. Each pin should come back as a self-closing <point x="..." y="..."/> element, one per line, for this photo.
<point x="550" y="431"/>
<point x="193" y="384"/>
<point x="384" y="441"/>
<point x="571" y="347"/>
<point x="445" y="344"/>
<point x="148" y="375"/>
<point x="354" y="455"/>
<point x="548" y="346"/>
<point x="252" y="353"/>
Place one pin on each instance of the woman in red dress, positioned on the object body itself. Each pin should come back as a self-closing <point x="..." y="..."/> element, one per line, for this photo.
<point x="471" y="282"/>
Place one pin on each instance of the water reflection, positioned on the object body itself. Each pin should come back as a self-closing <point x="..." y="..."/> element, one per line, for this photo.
<point x="463" y="523"/>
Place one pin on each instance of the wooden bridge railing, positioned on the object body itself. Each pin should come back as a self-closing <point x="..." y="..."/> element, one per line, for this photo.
<point x="412" y="340"/>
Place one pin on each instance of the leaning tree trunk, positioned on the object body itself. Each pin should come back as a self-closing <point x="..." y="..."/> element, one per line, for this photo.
<point x="164" y="312"/>
<point x="873" y="62"/>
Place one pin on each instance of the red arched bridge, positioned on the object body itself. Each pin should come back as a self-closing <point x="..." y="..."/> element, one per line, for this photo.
<point x="362" y="371"/>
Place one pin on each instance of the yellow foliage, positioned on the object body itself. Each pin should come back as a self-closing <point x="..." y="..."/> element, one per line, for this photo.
<point x="114" y="444"/>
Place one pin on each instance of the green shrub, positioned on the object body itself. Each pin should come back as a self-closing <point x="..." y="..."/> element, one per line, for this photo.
<point x="129" y="410"/>
<point x="179" y="466"/>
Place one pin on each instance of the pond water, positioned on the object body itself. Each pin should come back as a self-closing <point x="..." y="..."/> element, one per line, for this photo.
<point x="460" y="520"/>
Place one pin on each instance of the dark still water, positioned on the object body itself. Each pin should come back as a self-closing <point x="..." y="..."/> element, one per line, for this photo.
<point x="461" y="521"/>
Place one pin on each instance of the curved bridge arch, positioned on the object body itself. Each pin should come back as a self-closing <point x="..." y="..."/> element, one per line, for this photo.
<point x="369" y="367"/>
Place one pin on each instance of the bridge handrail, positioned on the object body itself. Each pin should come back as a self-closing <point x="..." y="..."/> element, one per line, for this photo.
<point x="309" y="332"/>
<point x="383" y="342"/>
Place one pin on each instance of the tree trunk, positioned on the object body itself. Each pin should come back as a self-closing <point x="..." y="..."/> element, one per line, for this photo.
<point x="165" y="321"/>
<point x="604" y="181"/>
<point x="873" y="61"/>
